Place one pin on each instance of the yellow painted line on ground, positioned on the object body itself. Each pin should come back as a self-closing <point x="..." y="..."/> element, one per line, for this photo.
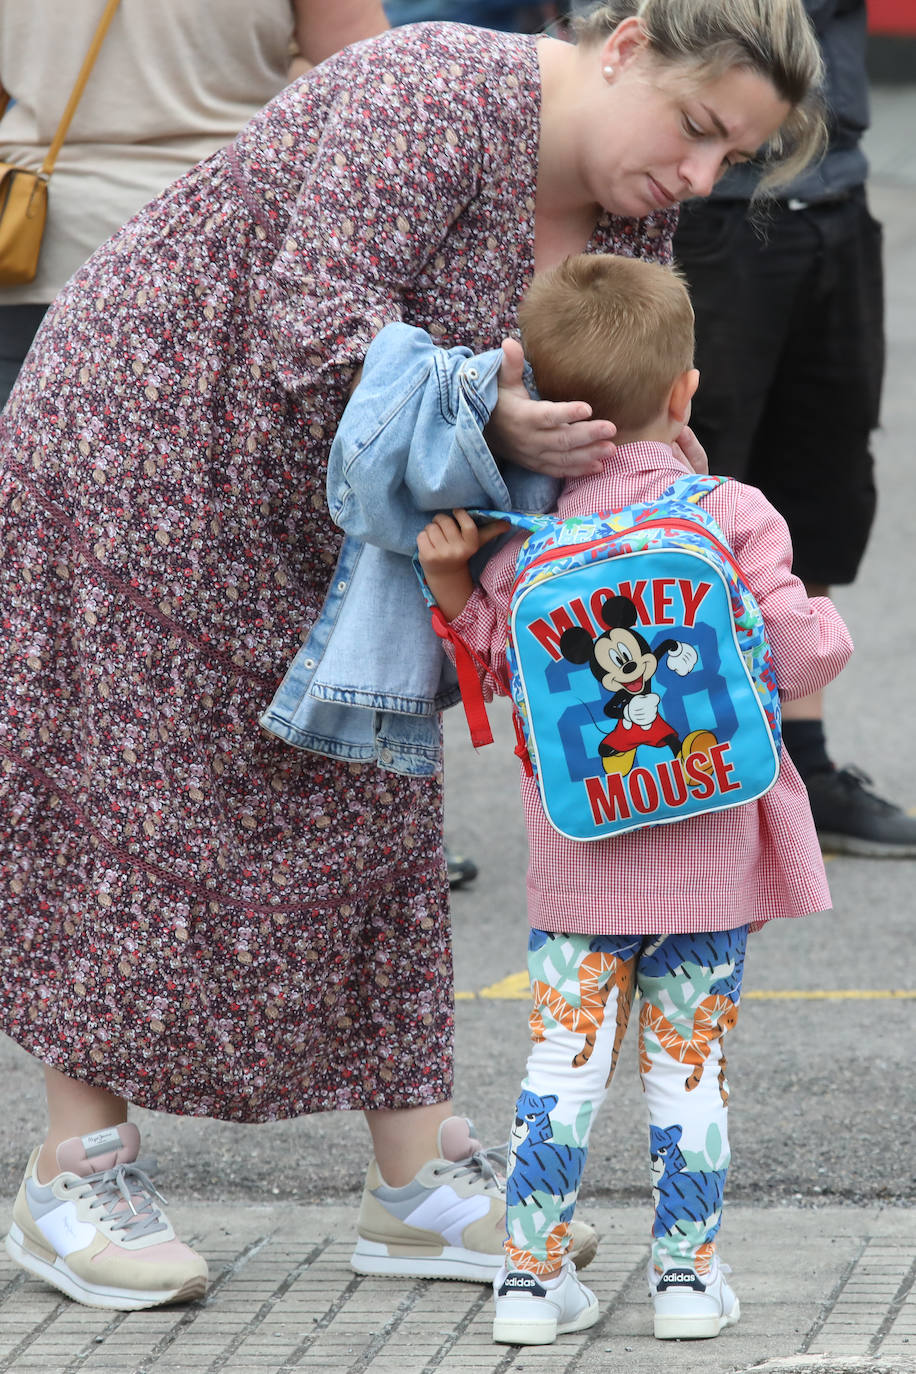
<point x="515" y="988"/>
<point x="829" y="994"/>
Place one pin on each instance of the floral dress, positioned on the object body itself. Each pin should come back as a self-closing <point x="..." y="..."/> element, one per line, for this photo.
<point x="192" y="914"/>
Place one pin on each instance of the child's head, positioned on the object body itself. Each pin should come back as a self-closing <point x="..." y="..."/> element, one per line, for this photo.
<point x="615" y="332"/>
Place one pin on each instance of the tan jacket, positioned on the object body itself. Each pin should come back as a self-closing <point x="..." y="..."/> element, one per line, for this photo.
<point x="175" y="80"/>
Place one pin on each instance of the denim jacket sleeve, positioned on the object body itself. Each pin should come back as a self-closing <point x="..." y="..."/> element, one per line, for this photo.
<point x="371" y="676"/>
<point x="411" y="442"/>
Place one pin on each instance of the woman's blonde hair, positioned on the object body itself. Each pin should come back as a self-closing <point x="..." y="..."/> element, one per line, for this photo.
<point x="771" y="37"/>
<point x="615" y="332"/>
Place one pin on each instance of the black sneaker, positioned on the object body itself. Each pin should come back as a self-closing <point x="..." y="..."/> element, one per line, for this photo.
<point x="852" y="820"/>
<point x="460" y="869"/>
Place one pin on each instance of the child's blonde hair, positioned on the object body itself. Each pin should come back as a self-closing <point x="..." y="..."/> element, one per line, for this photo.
<point x="615" y="332"/>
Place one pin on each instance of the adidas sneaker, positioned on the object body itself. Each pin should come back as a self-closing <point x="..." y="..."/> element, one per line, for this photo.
<point x="691" y="1307"/>
<point x="534" y="1311"/>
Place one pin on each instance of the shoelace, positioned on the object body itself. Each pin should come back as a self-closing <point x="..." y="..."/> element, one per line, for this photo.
<point x="481" y="1164"/>
<point x="126" y="1183"/>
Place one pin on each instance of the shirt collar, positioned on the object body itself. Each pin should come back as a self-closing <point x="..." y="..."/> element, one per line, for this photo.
<point x="643" y="455"/>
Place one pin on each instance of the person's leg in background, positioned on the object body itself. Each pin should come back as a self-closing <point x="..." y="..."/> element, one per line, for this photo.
<point x="460" y="868"/>
<point x="790" y="347"/>
<point x="18" y="327"/>
<point x="582" y="987"/>
<point x="825" y="405"/>
<point x="689" y="986"/>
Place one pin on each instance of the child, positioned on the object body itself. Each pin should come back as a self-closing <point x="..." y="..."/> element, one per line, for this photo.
<point x="664" y="910"/>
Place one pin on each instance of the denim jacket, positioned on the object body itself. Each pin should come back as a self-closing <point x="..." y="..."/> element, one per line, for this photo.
<point x="371" y="678"/>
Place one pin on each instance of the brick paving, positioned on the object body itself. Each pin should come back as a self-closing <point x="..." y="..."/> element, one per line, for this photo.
<point x="829" y="1289"/>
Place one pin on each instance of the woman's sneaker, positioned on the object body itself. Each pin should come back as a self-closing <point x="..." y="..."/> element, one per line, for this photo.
<point x="449" y="1222"/>
<point x="96" y="1230"/>
<point x="534" y="1311"/>
<point x="689" y="1307"/>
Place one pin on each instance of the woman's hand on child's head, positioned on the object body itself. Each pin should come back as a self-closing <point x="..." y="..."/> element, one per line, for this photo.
<point x="449" y="542"/>
<point x="557" y="438"/>
<point x="689" y="449"/>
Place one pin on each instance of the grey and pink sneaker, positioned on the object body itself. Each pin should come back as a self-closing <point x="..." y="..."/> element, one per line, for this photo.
<point x="450" y="1221"/>
<point x="97" y="1231"/>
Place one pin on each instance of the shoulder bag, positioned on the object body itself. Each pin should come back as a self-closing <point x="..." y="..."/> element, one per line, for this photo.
<point x="24" y="194"/>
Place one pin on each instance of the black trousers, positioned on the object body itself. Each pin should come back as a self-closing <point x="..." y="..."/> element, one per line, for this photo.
<point x="18" y="327"/>
<point x="790" y="347"/>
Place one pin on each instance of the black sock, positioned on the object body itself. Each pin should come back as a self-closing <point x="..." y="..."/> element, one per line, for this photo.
<point x="805" y="741"/>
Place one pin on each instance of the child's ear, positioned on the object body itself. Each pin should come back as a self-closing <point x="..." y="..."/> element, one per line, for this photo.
<point x="682" y="394"/>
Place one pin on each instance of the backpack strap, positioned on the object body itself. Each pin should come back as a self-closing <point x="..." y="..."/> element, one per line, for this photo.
<point x="469" y="665"/>
<point x="466" y="664"/>
<point x="693" y="486"/>
<point x="527" y="522"/>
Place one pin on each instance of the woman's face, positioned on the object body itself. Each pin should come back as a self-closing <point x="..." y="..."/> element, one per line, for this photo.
<point x="653" y="134"/>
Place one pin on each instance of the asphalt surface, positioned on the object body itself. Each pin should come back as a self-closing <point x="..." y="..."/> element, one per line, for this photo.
<point x="823" y="1075"/>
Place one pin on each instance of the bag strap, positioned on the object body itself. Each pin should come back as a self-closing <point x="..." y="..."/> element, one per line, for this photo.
<point x="47" y="167"/>
<point x="466" y="662"/>
<point x="693" y="486"/>
<point x="519" y="520"/>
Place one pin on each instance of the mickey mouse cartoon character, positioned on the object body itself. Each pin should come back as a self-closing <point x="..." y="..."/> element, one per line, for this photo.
<point x="623" y="662"/>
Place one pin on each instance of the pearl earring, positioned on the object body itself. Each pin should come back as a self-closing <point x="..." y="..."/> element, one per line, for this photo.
<point x="608" y="73"/>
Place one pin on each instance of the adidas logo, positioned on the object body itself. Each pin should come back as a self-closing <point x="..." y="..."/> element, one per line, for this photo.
<point x="680" y="1278"/>
<point x="522" y="1283"/>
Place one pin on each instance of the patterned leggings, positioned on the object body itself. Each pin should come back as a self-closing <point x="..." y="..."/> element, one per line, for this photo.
<point x="582" y="988"/>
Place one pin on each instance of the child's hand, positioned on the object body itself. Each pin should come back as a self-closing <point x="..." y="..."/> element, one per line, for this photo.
<point x="444" y="547"/>
<point x="449" y="542"/>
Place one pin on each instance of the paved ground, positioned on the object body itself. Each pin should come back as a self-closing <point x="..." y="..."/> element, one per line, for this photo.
<point x="823" y="1187"/>
<point x="833" y="1290"/>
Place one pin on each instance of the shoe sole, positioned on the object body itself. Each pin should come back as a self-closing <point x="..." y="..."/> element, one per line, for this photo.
<point x="685" y="1328"/>
<point x="386" y="1261"/>
<point x="61" y="1276"/>
<point x="508" y="1331"/>
<point x="832" y="842"/>
<point x="468" y="1266"/>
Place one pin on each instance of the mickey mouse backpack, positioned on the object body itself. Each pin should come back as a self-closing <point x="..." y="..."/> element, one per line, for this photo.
<point x="642" y="683"/>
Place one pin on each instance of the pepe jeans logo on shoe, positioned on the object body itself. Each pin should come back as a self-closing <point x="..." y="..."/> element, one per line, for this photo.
<point x="680" y="1278"/>
<point x="100" y="1142"/>
<point x="522" y="1283"/>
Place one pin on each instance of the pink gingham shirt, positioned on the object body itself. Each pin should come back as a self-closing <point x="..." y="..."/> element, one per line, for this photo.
<point x="713" y="872"/>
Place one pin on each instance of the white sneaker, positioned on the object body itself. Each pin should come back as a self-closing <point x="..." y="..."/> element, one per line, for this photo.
<point x="533" y="1311"/>
<point x="449" y="1222"/>
<point x="688" y="1307"/>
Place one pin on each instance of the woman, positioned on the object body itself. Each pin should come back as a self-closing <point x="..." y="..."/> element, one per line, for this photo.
<point x="196" y="918"/>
